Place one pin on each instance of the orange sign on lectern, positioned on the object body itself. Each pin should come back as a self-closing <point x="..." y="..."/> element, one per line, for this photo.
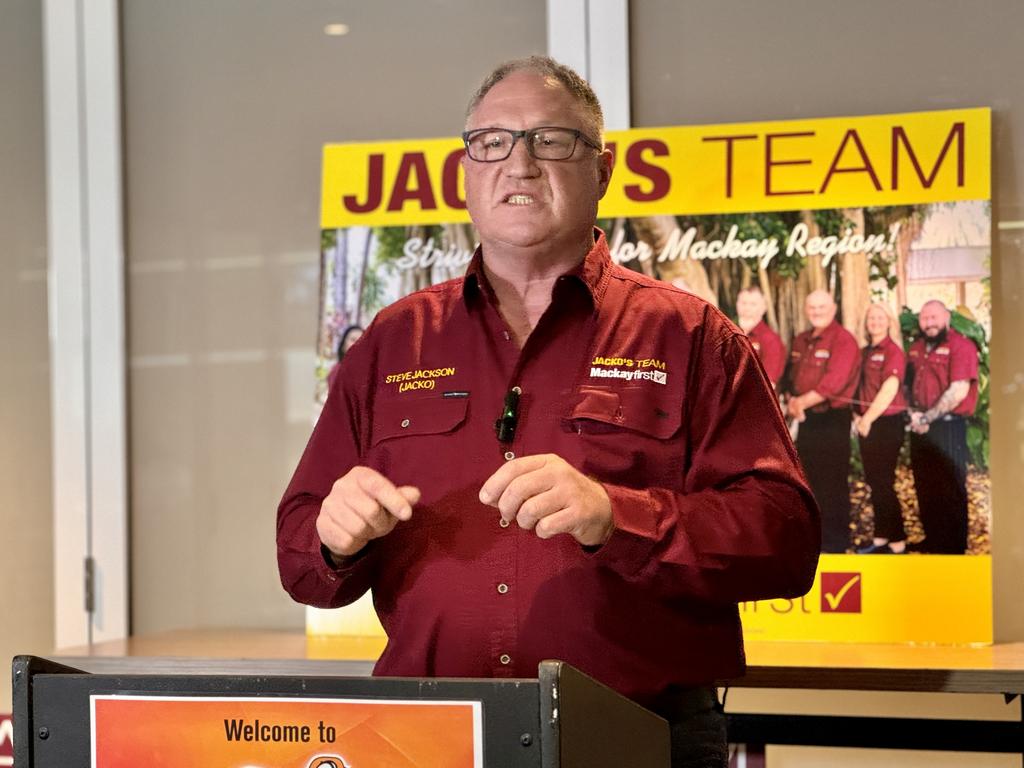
<point x="273" y="732"/>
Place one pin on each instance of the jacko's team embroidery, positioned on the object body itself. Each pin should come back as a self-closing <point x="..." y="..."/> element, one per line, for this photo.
<point x="629" y="369"/>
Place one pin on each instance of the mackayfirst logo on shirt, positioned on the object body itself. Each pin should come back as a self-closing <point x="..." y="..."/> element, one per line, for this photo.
<point x="629" y="369"/>
<point x="658" y="377"/>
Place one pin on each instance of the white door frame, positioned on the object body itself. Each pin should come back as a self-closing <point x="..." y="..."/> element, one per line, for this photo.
<point x="86" y="319"/>
<point x="592" y="37"/>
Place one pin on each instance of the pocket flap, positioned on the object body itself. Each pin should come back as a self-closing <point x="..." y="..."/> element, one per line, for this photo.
<point x="427" y="416"/>
<point x="637" y="409"/>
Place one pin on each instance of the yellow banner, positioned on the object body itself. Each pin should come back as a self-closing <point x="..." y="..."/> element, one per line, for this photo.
<point x="944" y="599"/>
<point x="839" y="162"/>
<point x="884" y="599"/>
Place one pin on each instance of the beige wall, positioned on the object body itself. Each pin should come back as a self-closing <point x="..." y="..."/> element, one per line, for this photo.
<point x="26" y="528"/>
<point x="227" y="105"/>
<point x="704" y="61"/>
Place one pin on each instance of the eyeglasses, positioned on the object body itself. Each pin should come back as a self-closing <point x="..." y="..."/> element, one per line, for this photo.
<point x="491" y="145"/>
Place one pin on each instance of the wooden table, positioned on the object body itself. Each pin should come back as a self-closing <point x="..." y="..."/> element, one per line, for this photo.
<point x="997" y="669"/>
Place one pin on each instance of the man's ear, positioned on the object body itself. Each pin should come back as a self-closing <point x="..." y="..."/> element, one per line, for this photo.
<point x="605" y="161"/>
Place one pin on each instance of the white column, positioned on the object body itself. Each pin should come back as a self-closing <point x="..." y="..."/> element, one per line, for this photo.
<point x="86" y="313"/>
<point x="592" y="37"/>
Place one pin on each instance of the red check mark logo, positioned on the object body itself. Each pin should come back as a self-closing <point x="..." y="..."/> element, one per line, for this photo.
<point x="840" y="592"/>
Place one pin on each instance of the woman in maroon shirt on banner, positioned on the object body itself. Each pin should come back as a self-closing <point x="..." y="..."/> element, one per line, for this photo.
<point x="880" y="426"/>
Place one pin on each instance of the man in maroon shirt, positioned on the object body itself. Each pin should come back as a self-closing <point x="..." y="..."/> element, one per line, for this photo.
<point x="822" y="376"/>
<point x="942" y="374"/>
<point x="750" y="310"/>
<point x="638" y="482"/>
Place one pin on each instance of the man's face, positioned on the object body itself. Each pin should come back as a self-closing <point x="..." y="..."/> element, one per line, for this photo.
<point x="521" y="202"/>
<point x="750" y="307"/>
<point x="821" y="309"/>
<point x="933" y="320"/>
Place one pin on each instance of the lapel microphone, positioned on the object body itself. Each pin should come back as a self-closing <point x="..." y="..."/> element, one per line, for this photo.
<point x="505" y="426"/>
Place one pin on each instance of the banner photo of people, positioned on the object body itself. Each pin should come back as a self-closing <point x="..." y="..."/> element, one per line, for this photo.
<point x="855" y="254"/>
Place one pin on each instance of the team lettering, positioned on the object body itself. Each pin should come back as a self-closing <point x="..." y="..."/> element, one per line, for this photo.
<point x="851" y="157"/>
<point x="416" y="180"/>
<point x="630" y="362"/>
<point x="413" y="182"/>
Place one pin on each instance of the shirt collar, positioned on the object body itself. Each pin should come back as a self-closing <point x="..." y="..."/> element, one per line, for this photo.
<point x="826" y="332"/>
<point x="591" y="274"/>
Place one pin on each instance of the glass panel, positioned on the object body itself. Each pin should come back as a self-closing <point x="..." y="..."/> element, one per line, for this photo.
<point x="227" y="105"/>
<point x="26" y="528"/>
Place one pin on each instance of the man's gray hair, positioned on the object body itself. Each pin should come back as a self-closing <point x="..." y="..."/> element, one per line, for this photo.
<point x="545" y="66"/>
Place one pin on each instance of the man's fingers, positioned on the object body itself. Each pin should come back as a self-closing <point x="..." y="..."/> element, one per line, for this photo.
<point x="526" y="490"/>
<point x="384" y="493"/>
<point x="337" y="539"/>
<point x="536" y="509"/>
<point x="562" y="521"/>
<point x="496" y="484"/>
<point x="411" y="493"/>
<point x="377" y="520"/>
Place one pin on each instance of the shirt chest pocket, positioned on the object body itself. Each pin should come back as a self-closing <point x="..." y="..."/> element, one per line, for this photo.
<point x="411" y="439"/>
<point x="630" y="436"/>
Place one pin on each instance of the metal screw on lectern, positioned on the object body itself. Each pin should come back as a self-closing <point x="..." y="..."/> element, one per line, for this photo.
<point x="44" y="733"/>
<point x="526" y="739"/>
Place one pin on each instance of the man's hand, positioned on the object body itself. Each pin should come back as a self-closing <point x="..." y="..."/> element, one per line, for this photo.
<point x="795" y="408"/>
<point x="863" y="425"/>
<point x="362" y="505"/>
<point x="548" y="496"/>
<point x="918" y="423"/>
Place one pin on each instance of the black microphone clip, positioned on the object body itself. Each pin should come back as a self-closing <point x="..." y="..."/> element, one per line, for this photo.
<point x="505" y="426"/>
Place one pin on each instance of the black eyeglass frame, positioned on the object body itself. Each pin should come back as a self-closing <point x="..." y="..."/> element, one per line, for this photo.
<point x="517" y="135"/>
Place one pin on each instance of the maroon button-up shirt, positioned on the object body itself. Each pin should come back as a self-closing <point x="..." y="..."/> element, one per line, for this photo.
<point x="827" y="363"/>
<point x="932" y="371"/>
<point x="770" y="349"/>
<point x="646" y="388"/>
<point x="878" y="363"/>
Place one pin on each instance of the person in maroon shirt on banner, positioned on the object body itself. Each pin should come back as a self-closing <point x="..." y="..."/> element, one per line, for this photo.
<point x="942" y="377"/>
<point x="880" y="424"/>
<point x="750" y="310"/>
<point x="637" y="483"/>
<point x="820" y="381"/>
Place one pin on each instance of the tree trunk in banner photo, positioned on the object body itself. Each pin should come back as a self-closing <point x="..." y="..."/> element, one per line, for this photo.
<point x="683" y="272"/>
<point x="360" y="291"/>
<point x="855" y="289"/>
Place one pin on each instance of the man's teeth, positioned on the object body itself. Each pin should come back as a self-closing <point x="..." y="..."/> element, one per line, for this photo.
<point x="519" y="199"/>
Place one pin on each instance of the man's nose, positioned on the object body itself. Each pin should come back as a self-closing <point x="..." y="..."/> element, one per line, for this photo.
<point x="521" y="163"/>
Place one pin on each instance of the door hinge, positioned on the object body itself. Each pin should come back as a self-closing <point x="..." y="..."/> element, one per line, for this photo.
<point x="90" y="584"/>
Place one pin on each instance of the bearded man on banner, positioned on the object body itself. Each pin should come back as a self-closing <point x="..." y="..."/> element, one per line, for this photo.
<point x="553" y="456"/>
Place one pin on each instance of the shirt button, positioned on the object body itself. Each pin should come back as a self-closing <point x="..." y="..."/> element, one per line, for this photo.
<point x="502" y="589"/>
<point x="509" y="455"/>
<point x="504" y="523"/>
<point x="405" y="423"/>
<point x="505" y="658"/>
